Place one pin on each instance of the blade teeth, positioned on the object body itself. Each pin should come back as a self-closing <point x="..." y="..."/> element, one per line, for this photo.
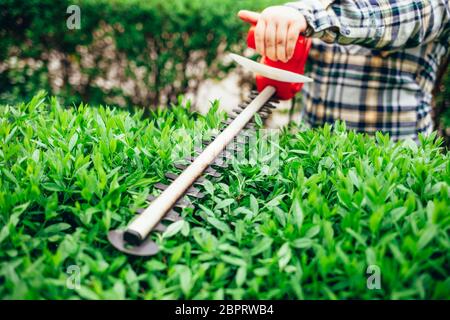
<point x="206" y="142"/>
<point x="274" y="100"/>
<point x="180" y="166"/>
<point x="253" y="94"/>
<point x="213" y="173"/>
<point x="160" y="227"/>
<point x="197" y="195"/>
<point x="234" y="148"/>
<point x="172" y="176"/>
<point x="172" y="216"/>
<point x="200" y="181"/>
<point x="220" y="163"/>
<point x="189" y="159"/>
<point x="161" y="186"/>
<point x="225" y="154"/>
<point x="209" y="171"/>
<point x="182" y="203"/>
<point x="237" y="110"/>
<point x="266" y="110"/>
<point x="246" y="133"/>
<point x="263" y="115"/>
<point x="270" y="105"/>
<point x="192" y="191"/>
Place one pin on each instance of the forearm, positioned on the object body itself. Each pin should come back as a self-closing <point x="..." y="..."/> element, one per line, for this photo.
<point x="375" y="23"/>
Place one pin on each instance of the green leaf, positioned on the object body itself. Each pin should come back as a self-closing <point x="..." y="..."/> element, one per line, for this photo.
<point x="297" y="213"/>
<point x="234" y="261"/>
<point x="258" y="120"/>
<point x="218" y="224"/>
<point x="224" y="203"/>
<point x="302" y="243"/>
<point x="241" y="276"/>
<point x="261" y="246"/>
<point x="186" y="281"/>
<point x="284" y="255"/>
<point x="427" y="236"/>
<point x="56" y="228"/>
<point x="312" y="232"/>
<point x="73" y="141"/>
<point x="173" y="229"/>
<point x="254" y="204"/>
<point x="13" y="221"/>
<point x="357" y="236"/>
<point x="87" y="293"/>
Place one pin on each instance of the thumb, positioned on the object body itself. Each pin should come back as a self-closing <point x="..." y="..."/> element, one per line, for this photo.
<point x="249" y="16"/>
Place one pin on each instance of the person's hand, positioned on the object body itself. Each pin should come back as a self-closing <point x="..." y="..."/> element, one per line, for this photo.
<point x="277" y="31"/>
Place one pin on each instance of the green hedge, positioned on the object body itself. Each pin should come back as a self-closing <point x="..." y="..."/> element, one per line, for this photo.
<point x="339" y="203"/>
<point x="151" y="44"/>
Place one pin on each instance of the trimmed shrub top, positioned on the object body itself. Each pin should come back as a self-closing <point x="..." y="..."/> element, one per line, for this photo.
<point x="342" y="207"/>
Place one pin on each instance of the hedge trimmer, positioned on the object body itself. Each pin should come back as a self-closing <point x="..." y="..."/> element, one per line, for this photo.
<point x="274" y="79"/>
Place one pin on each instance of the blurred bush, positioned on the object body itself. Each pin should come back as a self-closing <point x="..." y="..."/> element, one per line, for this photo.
<point x="127" y="52"/>
<point x="442" y="102"/>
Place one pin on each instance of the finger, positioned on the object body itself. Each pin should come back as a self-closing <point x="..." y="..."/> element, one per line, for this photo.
<point x="282" y="30"/>
<point x="270" y="41"/>
<point x="292" y="38"/>
<point x="249" y="16"/>
<point x="260" y="31"/>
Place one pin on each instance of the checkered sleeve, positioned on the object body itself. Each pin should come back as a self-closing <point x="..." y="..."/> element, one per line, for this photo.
<point x="386" y="24"/>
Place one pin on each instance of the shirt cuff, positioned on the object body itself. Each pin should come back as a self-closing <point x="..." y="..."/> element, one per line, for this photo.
<point x="322" y="23"/>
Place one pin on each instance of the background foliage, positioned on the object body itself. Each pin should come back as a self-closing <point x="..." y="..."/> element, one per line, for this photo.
<point x="340" y="202"/>
<point x="442" y="102"/>
<point x="127" y="52"/>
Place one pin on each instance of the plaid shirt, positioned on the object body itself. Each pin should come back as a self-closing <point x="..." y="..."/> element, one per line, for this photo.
<point x="374" y="62"/>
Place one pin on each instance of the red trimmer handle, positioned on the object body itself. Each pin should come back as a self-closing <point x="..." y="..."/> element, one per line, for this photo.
<point x="285" y="90"/>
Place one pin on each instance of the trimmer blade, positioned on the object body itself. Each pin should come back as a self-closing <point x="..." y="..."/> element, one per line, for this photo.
<point x="135" y="239"/>
<point x="147" y="248"/>
<point x="270" y="72"/>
